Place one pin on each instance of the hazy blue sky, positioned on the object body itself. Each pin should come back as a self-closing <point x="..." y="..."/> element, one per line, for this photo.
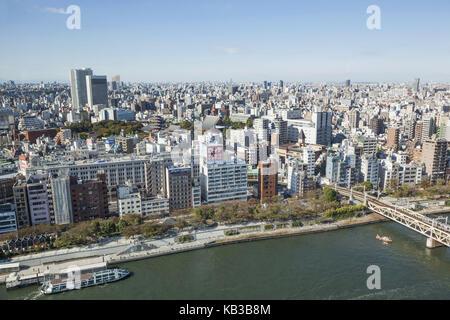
<point x="192" y="40"/>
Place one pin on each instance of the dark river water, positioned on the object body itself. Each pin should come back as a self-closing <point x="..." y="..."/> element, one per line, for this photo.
<point x="329" y="265"/>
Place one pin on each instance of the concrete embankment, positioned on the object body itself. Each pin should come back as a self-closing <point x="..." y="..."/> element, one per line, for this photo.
<point x="280" y="233"/>
<point x="113" y="259"/>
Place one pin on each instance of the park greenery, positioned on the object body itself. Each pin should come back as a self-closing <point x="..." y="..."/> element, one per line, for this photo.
<point x="296" y="224"/>
<point x="330" y="194"/>
<point x="425" y="189"/>
<point x="344" y="212"/>
<point x="185" y="238"/>
<point x="104" y="128"/>
<point x="367" y="184"/>
<point x="237" y="125"/>
<point x="231" y="232"/>
<point x="187" y="125"/>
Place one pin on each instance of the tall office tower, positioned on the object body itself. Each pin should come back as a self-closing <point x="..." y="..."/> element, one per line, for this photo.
<point x="78" y="89"/>
<point x="393" y="136"/>
<point x="265" y="84"/>
<point x="354" y="118"/>
<point x="178" y="188"/>
<point x="416" y="84"/>
<point x="347" y="83"/>
<point x="115" y="82"/>
<point x="429" y="128"/>
<point x="267" y="179"/>
<point x="376" y="125"/>
<point x="323" y="127"/>
<point x="435" y="158"/>
<point x="281" y="129"/>
<point x="369" y="169"/>
<point x="97" y="90"/>
<point x="281" y="83"/>
<point x="309" y="158"/>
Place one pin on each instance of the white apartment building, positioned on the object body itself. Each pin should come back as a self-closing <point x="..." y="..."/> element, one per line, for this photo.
<point x="220" y="180"/>
<point x="369" y="169"/>
<point x="309" y="158"/>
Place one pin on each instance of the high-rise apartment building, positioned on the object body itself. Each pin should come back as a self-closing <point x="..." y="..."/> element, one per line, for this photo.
<point x="178" y="188"/>
<point x="370" y="169"/>
<point x="38" y="199"/>
<point x="21" y="203"/>
<point x="354" y="118"/>
<point x="267" y="179"/>
<point x="393" y="136"/>
<point x="62" y="202"/>
<point x="376" y="125"/>
<point x="435" y="158"/>
<point x="281" y="128"/>
<point x="323" y="126"/>
<point x="89" y="198"/>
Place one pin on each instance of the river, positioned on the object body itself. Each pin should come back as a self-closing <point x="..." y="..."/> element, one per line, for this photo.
<point x="329" y="265"/>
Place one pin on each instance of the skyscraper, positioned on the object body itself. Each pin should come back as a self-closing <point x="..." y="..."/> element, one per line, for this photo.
<point x="416" y="84"/>
<point x="97" y="90"/>
<point x="78" y="87"/>
<point x="115" y="82"/>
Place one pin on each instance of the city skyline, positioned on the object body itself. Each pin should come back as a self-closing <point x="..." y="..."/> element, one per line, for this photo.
<point x="215" y="41"/>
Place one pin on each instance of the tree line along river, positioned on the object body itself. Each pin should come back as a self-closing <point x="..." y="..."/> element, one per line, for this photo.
<point x="329" y="265"/>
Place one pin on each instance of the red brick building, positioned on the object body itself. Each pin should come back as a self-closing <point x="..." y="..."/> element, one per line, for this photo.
<point x="32" y="135"/>
<point x="89" y="198"/>
<point x="267" y="179"/>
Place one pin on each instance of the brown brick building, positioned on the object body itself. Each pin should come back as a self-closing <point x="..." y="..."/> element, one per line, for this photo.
<point x="89" y="198"/>
<point x="267" y="179"/>
<point x="32" y="135"/>
<point x="393" y="136"/>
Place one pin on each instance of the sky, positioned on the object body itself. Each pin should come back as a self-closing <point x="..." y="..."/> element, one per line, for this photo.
<point x="219" y="40"/>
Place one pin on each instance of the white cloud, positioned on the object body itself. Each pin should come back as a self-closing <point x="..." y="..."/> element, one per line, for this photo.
<point x="227" y="50"/>
<point x="56" y="10"/>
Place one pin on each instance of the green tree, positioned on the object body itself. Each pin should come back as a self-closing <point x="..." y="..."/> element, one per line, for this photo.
<point x="122" y="224"/>
<point x="330" y="194"/>
<point x="109" y="228"/>
<point x="96" y="226"/>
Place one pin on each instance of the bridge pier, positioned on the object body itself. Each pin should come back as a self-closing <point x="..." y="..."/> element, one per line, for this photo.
<point x="431" y="243"/>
